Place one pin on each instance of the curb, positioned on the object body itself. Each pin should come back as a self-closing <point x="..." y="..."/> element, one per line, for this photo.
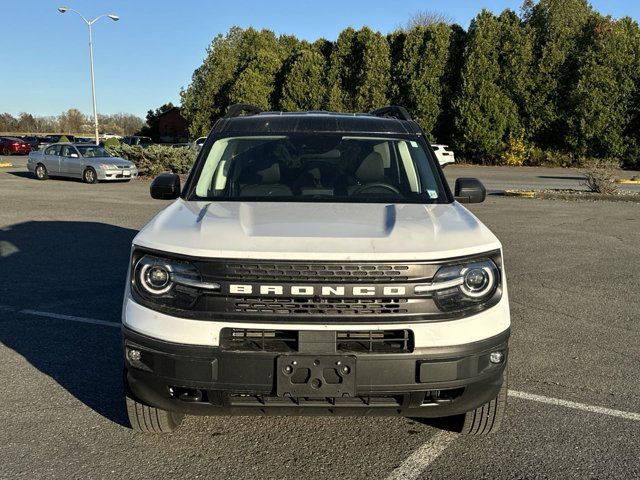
<point x="6" y="164"/>
<point x="628" y="181"/>
<point x="520" y="193"/>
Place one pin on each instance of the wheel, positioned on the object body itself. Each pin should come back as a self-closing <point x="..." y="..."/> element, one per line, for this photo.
<point x="41" y="172"/>
<point x="487" y="418"/>
<point x="89" y="175"/>
<point x="146" y="419"/>
<point x="6" y="152"/>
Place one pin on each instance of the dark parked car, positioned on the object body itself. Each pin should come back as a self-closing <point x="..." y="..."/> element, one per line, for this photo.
<point x="14" y="146"/>
<point x="32" y="141"/>
<point x="136" y="140"/>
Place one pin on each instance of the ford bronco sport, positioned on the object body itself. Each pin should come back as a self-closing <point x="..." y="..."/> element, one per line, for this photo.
<point x="316" y="263"/>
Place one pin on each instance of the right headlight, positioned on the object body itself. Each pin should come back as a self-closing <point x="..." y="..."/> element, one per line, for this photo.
<point x="459" y="287"/>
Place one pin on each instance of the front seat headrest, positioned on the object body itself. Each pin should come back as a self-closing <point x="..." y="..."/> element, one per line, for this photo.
<point x="371" y="169"/>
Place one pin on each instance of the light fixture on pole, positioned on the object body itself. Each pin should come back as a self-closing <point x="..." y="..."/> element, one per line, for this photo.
<point x="89" y="23"/>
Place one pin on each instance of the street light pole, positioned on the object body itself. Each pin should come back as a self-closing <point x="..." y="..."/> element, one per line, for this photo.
<point x="90" y="23"/>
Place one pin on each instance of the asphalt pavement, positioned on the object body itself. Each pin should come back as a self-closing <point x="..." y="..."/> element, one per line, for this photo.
<point x="574" y="412"/>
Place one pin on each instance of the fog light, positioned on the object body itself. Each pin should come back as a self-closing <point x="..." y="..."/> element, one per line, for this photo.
<point x="496" y="357"/>
<point x="134" y="355"/>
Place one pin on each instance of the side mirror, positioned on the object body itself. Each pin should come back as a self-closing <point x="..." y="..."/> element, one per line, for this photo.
<point x="74" y="155"/>
<point x="165" y="186"/>
<point x="470" y="190"/>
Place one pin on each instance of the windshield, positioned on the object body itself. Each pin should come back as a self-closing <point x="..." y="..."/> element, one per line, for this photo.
<point x="317" y="168"/>
<point x="91" y="151"/>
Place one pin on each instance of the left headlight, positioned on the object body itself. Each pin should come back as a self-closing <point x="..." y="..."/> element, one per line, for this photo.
<point x="168" y="281"/>
<point x="464" y="286"/>
<point x="106" y="166"/>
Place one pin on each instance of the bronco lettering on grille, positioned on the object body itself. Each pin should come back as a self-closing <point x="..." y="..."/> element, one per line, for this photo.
<point x="322" y="290"/>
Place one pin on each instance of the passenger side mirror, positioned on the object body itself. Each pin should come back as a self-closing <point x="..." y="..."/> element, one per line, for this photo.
<point x="470" y="190"/>
<point x="165" y="186"/>
<point x="74" y="155"/>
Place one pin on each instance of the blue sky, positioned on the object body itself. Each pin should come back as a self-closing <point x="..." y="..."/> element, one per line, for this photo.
<point x="143" y="60"/>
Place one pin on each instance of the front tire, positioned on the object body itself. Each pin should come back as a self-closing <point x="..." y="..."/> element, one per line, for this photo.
<point x="41" y="172"/>
<point x="146" y="419"/>
<point x="487" y="418"/>
<point x="89" y="175"/>
<point x="6" y="152"/>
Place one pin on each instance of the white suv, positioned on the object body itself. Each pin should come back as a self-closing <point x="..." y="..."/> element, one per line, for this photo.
<point x="444" y="154"/>
<point x="316" y="263"/>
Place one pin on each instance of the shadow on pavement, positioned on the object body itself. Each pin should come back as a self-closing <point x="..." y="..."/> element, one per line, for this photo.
<point x="561" y="177"/>
<point x="22" y="174"/>
<point x="29" y="175"/>
<point x="71" y="268"/>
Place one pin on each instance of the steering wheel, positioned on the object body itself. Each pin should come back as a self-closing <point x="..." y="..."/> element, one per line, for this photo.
<point x="369" y="186"/>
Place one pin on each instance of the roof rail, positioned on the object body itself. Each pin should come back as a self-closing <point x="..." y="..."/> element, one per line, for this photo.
<point x="240" y="109"/>
<point x="393" y="111"/>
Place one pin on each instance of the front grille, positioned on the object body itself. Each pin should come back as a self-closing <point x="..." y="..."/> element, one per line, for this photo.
<point x="346" y="272"/>
<point x="257" y="340"/>
<point x="321" y="306"/>
<point x="372" y="341"/>
<point x="288" y="341"/>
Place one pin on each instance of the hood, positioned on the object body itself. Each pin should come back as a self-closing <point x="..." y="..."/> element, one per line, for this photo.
<point x="112" y="161"/>
<point x="317" y="231"/>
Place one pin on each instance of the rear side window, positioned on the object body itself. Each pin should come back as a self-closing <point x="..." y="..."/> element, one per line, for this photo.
<point x="54" y="150"/>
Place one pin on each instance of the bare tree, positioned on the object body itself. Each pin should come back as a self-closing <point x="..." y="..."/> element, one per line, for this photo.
<point x="424" y="18"/>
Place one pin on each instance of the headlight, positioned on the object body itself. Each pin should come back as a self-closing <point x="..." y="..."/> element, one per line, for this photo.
<point x="458" y="287"/>
<point x="168" y="281"/>
<point x="105" y="166"/>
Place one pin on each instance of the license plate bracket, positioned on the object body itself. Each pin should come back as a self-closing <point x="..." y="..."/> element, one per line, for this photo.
<point x="316" y="376"/>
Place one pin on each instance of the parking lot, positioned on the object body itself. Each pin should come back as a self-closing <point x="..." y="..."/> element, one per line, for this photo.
<point x="574" y="366"/>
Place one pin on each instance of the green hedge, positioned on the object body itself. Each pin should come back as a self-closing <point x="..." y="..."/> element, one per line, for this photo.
<point x="156" y="159"/>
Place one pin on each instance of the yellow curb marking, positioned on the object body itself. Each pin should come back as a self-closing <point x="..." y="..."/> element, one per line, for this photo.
<point x="628" y="181"/>
<point x="6" y="164"/>
<point x="520" y="193"/>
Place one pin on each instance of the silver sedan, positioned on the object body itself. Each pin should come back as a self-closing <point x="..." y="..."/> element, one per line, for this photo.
<point x="91" y="163"/>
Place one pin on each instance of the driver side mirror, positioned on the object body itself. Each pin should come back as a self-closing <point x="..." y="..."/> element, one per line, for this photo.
<point x="165" y="186"/>
<point x="74" y="155"/>
<point x="470" y="190"/>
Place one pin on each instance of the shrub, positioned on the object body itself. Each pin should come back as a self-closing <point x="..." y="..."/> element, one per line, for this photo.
<point x="515" y="153"/>
<point x="536" y="157"/>
<point x="156" y="159"/>
<point x="63" y="138"/>
<point x="111" y="142"/>
<point x="600" y="176"/>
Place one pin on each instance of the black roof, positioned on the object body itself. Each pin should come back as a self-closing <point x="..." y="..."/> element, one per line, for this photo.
<point x="317" y="121"/>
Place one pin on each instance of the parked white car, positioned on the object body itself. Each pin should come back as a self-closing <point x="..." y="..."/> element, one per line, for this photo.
<point x="316" y="263"/>
<point x="444" y="155"/>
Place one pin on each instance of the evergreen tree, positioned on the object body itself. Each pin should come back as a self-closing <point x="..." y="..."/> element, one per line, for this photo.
<point x="485" y="114"/>
<point x="556" y="26"/>
<point x="515" y="57"/>
<point x="206" y="98"/>
<point x="451" y="86"/>
<point x="359" y="71"/>
<point x="304" y="81"/>
<point x="599" y="115"/>
<point x="421" y="70"/>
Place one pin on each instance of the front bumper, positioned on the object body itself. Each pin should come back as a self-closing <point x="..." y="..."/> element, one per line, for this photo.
<point x="117" y="174"/>
<point x="429" y="382"/>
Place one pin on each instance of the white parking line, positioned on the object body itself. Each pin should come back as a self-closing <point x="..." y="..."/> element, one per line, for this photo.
<point x="424" y="456"/>
<point x="71" y="318"/>
<point x="575" y="405"/>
